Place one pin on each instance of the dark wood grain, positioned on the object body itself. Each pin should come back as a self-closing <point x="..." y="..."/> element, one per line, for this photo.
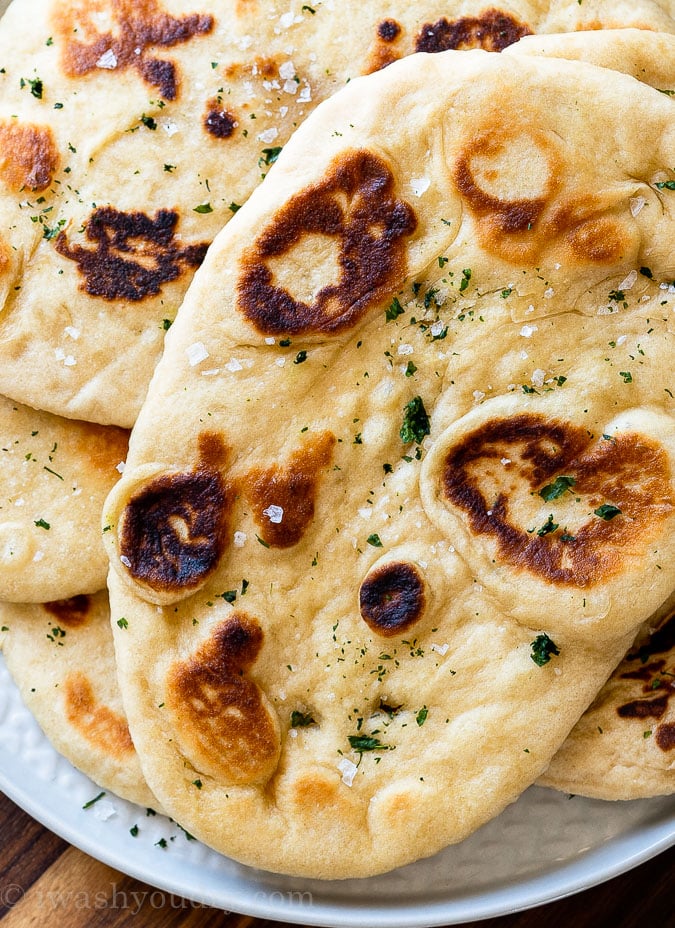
<point x="45" y="882"/>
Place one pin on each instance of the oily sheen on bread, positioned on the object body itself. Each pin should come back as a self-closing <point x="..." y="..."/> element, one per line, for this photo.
<point x="55" y="475"/>
<point x="402" y="489"/>
<point x="132" y="130"/>
<point x="61" y="657"/>
<point x="623" y="747"/>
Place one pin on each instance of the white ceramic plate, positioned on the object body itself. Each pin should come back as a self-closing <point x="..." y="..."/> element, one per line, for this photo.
<point x="545" y="846"/>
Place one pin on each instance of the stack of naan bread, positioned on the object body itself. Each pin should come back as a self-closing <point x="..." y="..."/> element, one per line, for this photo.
<point x="393" y="536"/>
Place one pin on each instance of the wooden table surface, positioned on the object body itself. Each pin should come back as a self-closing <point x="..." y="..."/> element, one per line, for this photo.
<point x="45" y="882"/>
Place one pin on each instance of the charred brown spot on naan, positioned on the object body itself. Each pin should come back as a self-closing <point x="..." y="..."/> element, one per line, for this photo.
<point x="29" y="156"/>
<point x="356" y="204"/>
<point x="657" y="680"/>
<point x="384" y="49"/>
<point x="226" y="728"/>
<point x="392" y="598"/>
<point x="493" y="31"/>
<point x="508" y="177"/>
<point x="219" y="122"/>
<point x="172" y="531"/>
<point x="133" y="254"/>
<point x="629" y="471"/>
<point x="94" y="721"/>
<point x="139" y="26"/>
<point x="73" y="613"/>
<point x="590" y="233"/>
<point x="290" y="487"/>
<point x="102" y="446"/>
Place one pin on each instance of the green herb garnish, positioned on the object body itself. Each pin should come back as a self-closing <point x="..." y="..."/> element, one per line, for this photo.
<point x="542" y="649"/>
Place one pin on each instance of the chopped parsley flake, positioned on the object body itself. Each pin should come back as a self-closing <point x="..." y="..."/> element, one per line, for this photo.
<point x="148" y="122"/>
<point x="416" y="423"/>
<point x="466" y="277"/>
<point x="203" y="208"/>
<point x="36" y="86"/>
<point x="607" y="511"/>
<point x="122" y="623"/>
<point x="301" y="719"/>
<point x="542" y="649"/>
<point x="42" y="524"/>
<point x="366" y="743"/>
<point x="421" y="716"/>
<point x="269" y="155"/>
<point x="393" y="310"/>
<point x="666" y="184"/>
<point x="300" y="357"/>
<point x="93" y="801"/>
<point x="556" y="489"/>
<point x="627" y="376"/>
<point x="374" y="540"/>
<point x="548" y="527"/>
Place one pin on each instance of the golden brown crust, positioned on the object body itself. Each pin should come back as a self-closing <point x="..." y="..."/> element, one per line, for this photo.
<point x="29" y="156"/>
<point x="355" y="203"/>
<point x="226" y="727"/>
<point x="492" y="30"/>
<point x="140" y="26"/>
<point x="597" y="473"/>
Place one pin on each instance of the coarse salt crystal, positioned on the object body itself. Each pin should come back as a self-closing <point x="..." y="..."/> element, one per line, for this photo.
<point x="348" y="770"/>
<point x="239" y="539"/>
<point x="506" y="461"/>
<point x="104" y="810"/>
<point x="59" y="354"/>
<point x="72" y="331"/>
<point x="437" y="327"/>
<point x="366" y="512"/>
<point x="405" y="349"/>
<point x="268" y="135"/>
<point x="280" y="362"/>
<point x="548" y="293"/>
<point x="170" y="128"/>
<point x="120" y="467"/>
<point x="293" y="733"/>
<point x="286" y="20"/>
<point x="528" y="331"/>
<point x="419" y="185"/>
<point x="69" y="361"/>
<point x="274" y="513"/>
<point x="621" y="339"/>
<point x="636" y="204"/>
<point x="439" y="648"/>
<point x="125" y="560"/>
<point x="270" y="340"/>
<point x="107" y="60"/>
<point x="287" y="71"/>
<point x="290" y="87"/>
<point x="233" y="365"/>
<point x="38" y="555"/>
<point x="538" y="377"/>
<point x="629" y="281"/>
<point x="305" y="95"/>
<point x="478" y="395"/>
<point x="196" y="353"/>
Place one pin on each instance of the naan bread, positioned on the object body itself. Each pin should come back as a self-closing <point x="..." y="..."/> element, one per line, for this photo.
<point x="623" y="747"/>
<point x="61" y="657"/>
<point x="402" y="489"/>
<point x="55" y="476"/>
<point x="131" y="130"/>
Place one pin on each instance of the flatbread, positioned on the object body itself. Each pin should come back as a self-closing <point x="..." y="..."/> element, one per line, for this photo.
<point x="334" y="659"/>
<point x="54" y="479"/>
<point x="103" y="105"/>
<point x="623" y="747"/>
<point x="61" y="657"/>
